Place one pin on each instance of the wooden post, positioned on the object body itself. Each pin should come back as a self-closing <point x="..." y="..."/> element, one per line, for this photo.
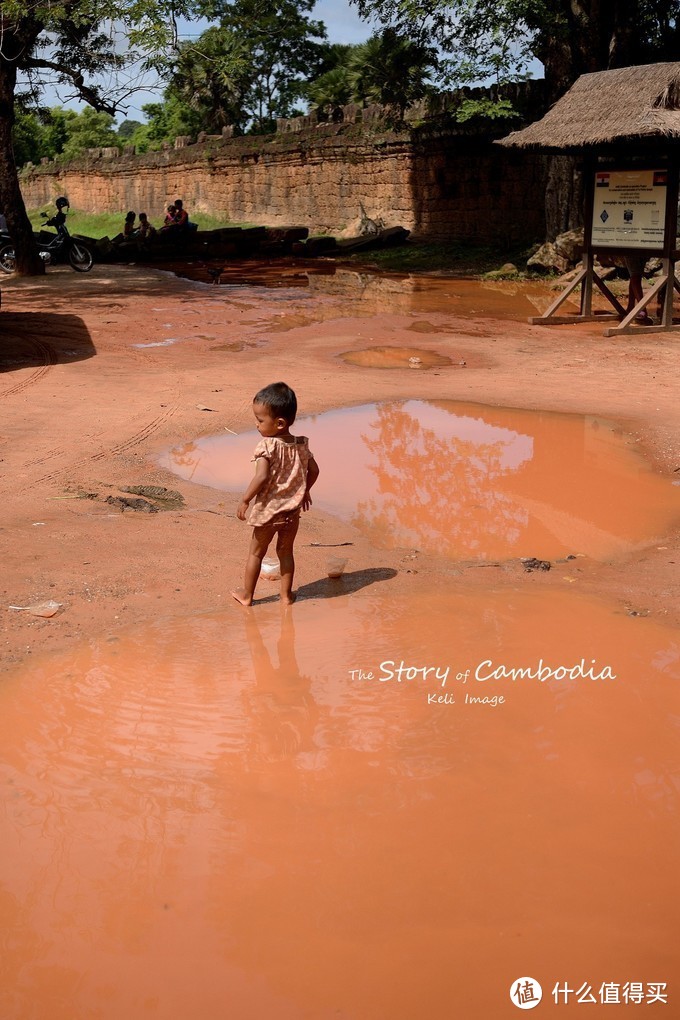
<point x="666" y="285"/>
<point x="587" y="276"/>
<point x="588" y="202"/>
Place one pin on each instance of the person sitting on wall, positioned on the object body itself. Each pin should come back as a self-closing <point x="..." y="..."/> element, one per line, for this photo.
<point x="145" y="230"/>
<point x="169" y="220"/>
<point x="182" y="221"/>
<point x="181" y="216"/>
<point x="129" y="230"/>
<point x="180" y="226"/>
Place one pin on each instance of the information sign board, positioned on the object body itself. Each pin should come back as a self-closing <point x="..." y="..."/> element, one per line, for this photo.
<point x="629" y="209"/>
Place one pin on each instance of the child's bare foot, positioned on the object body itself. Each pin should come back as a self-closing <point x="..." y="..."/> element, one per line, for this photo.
<point x="242" y="596"/>
<point x="287" y="600"/>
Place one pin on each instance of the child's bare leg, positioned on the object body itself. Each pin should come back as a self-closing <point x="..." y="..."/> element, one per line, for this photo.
<point x="635" y="295"/>
<point x="259" y="544"/>
<point x="284" y="550"/>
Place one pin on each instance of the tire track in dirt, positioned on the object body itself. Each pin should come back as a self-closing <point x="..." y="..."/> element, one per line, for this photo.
<point x="130" y="442"/>
<point x="56" y="452"/>
<point x="49" y="357"/>
<point x="60" y="451"/>
<point x="138" y="437"/>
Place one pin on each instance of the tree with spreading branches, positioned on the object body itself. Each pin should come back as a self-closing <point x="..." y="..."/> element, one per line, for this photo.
<point x="96" y="49"/>
<point x="498" y="38"/>
<point x="252" y="66"/>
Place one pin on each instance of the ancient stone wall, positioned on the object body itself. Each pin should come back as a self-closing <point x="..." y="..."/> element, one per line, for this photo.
<point x="444" y="184"/>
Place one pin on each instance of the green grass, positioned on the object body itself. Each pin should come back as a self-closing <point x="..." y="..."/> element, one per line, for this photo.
<point x="109" y="224"/>
<point x="456" y="258"/>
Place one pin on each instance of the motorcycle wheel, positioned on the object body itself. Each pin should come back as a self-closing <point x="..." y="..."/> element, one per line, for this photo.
<point x="8" y="259"/>
<point x="80" y="258"/>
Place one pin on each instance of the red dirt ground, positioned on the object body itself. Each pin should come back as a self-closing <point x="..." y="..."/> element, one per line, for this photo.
<point x="85" y="411"/>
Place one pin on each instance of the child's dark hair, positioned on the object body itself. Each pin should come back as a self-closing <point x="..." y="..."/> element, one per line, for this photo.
<point x="279" y="400"/>
<point x="131" y="215"/>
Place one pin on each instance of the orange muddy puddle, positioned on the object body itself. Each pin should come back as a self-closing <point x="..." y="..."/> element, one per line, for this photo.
<point x="395" y="357"/>
<point x="214" y="817"/>
<point x="483" y="483"/>
<point x="369" y="292"/>
<point x="274" y="273"/>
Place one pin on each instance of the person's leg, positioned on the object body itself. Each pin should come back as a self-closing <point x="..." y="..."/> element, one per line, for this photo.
<point x="635" y="295"/>
<point x="634" y="291"/>
<point x="259" y="544"/>
<point x="284" y="550"/>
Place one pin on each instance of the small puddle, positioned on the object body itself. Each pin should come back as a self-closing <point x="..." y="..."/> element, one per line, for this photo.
<point x="221" y="816"/>
<point x="161" y="343"/>
<point x="481" y="482"/>
<point x="395" y="357"/>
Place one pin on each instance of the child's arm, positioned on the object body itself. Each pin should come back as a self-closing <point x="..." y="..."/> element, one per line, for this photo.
<point x="260" y="477"/>
<point x="312" y="475"/>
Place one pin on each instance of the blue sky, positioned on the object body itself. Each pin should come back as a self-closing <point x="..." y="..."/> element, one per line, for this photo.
<point x="342" y="22"/>
<point x="343" y="25"/>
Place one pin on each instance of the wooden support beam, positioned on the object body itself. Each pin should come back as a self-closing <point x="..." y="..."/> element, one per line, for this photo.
<point x="628" y="325"/>
<point x="562" y="320"/>
<point x="664" y="287"/>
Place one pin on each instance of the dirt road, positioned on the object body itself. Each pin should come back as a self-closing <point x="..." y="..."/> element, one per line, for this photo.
<point x="102" y="372"/>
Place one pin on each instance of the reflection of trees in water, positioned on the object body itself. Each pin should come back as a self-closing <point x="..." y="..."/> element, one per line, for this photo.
<point x="437" y="492"/>
<point x="187" y="456"/>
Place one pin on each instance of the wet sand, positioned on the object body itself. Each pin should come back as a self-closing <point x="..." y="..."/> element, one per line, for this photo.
<point x="214" y="811"/>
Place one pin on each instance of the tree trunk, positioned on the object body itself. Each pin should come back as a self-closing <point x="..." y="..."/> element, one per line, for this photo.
<point x="563" y="197"/>
<point x="28" y="262"/>
<point x="583" y="39"/>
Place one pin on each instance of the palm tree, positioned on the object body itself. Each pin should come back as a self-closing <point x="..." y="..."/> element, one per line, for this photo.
<point x="388" y="69"/>
<point x="391" y="70"/>
<point x="212" y="77"/>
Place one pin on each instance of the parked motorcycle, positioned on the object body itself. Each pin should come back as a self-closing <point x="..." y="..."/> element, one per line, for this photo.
<point x="63" y="247"/>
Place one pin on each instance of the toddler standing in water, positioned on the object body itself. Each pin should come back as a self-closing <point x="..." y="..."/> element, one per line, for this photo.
<point x="285" y="471"/>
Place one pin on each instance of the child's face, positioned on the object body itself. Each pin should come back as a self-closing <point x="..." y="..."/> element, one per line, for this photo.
<point x="267" y="425"/>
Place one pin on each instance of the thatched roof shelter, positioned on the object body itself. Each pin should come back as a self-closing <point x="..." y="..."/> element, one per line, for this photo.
<point x="610" y="110"/>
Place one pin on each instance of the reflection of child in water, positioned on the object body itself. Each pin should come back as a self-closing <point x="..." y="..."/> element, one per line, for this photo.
<point x="285" y="471"/>
<point x="281" y="706"/>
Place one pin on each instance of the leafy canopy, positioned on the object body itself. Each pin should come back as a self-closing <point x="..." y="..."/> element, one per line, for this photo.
<point x="98" y="48"/>
<point x="249" y="68"/>
<point x="497" y="38"/>
<point x="388" y="69"/>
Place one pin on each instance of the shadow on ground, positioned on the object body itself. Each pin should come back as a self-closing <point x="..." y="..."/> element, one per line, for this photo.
<point x="37" y="339"/>
<point x="330" y="588"/>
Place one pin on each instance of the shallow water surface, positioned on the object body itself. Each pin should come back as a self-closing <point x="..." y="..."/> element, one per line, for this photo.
<point x="368" y="292"/>
<point x="466" y="481"/>
<point x="222" y="817"/>
<point x="395" y="357"/>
